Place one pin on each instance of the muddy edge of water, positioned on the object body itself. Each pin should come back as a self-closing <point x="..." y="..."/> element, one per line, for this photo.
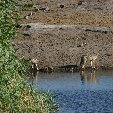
<point x="58" y="45"/>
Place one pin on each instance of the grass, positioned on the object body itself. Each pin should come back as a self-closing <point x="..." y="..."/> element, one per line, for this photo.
<point x="16" y="95"/>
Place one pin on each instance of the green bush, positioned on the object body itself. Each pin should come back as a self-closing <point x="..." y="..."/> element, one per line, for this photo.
<point x="28" y="5"/>
<point x="16" y="95"/>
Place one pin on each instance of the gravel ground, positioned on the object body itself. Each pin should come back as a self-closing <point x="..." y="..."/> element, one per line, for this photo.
<point x="61" y="35"/>
<point x="57" y="45"/>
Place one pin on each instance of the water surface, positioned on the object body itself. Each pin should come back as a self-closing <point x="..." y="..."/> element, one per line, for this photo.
<point x="88" y="92"/>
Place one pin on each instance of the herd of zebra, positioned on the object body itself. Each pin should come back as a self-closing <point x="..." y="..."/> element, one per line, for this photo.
<point x="82" y="66"/>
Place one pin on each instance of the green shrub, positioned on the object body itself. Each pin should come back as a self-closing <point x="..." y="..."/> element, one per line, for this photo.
<point x="16" y="95"/>
<point x="28" y="5"/>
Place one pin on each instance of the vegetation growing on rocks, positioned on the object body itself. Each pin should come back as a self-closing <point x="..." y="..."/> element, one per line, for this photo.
<point x="15" y="94"/>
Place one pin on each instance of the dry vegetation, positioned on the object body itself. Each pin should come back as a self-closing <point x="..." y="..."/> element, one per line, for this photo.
<point x="88" y="13"/>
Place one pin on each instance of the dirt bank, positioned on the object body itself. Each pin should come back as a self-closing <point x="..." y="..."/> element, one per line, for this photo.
<point x="57" y="45"/>
<point x="71" y="28"/>
<point x="83" y="12"/>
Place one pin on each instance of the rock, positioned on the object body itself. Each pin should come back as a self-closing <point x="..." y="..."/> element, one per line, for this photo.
<point x="27" y="27"/>
<point x="30" y="14"/>
<point x="71" y="68"/>
<point x="44" y="8"/>
<point x="18" y="26"/>
<point x="26" y="34"/>
<point x="35" y="8"/>
<point x="26" y="17"/>
<point x="60" y="5"/>
<point x="80" y="2"/>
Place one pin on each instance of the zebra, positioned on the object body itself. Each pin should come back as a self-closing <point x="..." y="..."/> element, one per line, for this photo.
<point x="34" y="64"/>
<point x="84" y="58"/>
<point x="83" y="61"/>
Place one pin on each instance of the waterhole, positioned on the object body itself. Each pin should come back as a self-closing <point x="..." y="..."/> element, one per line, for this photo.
<point x="85" y="92"/>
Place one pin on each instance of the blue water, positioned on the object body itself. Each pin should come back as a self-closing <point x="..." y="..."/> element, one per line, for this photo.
<point x="89" y="92"/>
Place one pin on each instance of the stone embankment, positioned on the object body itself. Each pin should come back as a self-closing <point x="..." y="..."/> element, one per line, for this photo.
<point x="59" y="45"/>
